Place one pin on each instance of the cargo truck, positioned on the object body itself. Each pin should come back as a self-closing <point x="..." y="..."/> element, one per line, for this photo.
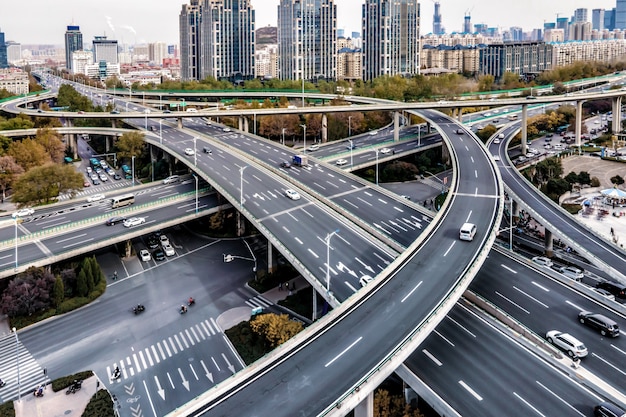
<point x="300" y="160"/>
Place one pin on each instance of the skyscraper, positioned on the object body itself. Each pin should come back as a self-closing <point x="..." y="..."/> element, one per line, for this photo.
<point x="437" y="28"/>
<point x="105" y="50"/>
<point x="597" y="19"/>
<point x="467" y="23"/>
<point x="620" y="14"/>
<point x="391" y="39"/>
<point x="307" y="39"/>
<point x="190" y="20"/>
<point x="73" y="42"/>
<point x="4" y="63"/>
<point x="581" y="15"/>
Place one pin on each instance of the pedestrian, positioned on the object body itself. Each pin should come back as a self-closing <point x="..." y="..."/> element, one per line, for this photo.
<point x="612" y="232"/>
<point x="576" y="362"/>
<point x="280" y="286"/>
<point x="286" y="286"/>
<point x="114" y="275"/>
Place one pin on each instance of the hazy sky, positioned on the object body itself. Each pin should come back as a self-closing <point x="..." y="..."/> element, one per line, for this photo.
<point x="139" y="21"/>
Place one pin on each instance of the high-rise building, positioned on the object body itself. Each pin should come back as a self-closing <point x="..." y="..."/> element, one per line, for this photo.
<point x="105" y="50"/>
<point x="391" y="38"/>
<point x="4" y="62"/>
<point x="609" y="19"/>
<point x="73" y="42"/>
<point x="14" y="53"/>
<point x="467" y="23"/>
<point x="620" y="14"/>
<point x="517" y="34"/>
<point x="597" y="19"/>
<point x="307" y="39"/>
<point x="563" y="23"/>
<point x="228" y="39"/>
<point x="190" y="20"/>
<point x="581" y="15"/>
<point x="437" y="27"/>
<point x="157" y="52"/>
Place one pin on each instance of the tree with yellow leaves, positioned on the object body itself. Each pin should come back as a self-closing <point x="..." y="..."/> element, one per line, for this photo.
<point x="275" y="328"/>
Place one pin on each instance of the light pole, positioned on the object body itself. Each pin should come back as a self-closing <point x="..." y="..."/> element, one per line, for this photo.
<point x="351" y="146"/>
<point x="443" y="184"/>
<point x="196" y="177"/>
<point x="127" y="106"/>
<point x="327" y="241"/>
<point x="16" y="263"/>
<point x="283" y="136"/>
<point x="419" y="131"/>
<point x="195" y="156"/>
<point x="376" y="150"/>
<point x="304" y="137"/>
<point x="241" y="185"/>
<point x="17" y="359"/>
<point x="146" y="122"/>
<point x="133" y="164"/>
<point x="161" y="131"/>
<point x="349" y="126"/>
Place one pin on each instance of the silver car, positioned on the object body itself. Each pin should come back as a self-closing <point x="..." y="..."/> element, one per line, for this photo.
<point x="572" y="346"/>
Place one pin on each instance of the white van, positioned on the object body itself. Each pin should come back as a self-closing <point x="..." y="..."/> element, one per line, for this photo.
<point x="468" y="230"/>
<point x="171" y="179"/>
<point x="191" y="110"/>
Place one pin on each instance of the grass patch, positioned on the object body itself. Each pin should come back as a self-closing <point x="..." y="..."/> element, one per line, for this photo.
<point x="572" y="208"/>
<point x="7" y="409"/>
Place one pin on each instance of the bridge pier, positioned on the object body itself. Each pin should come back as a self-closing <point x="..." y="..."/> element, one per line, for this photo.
<point x="616" y="125"/>
<point x="179" y="122"/>
<point x="270" y="258"/>
<point x="241" y="224"/>
<point x="459" y="114"/>
<point x="524" y="129"/>
<point x="71" y="140"/>
<point x="579" y="122"/>
<point x="365" y="407"/>
<point x="549" y="248"/>
<point x="324" y="128"/>
<point x="107" y="143"/>
<point x="396" y="126"/>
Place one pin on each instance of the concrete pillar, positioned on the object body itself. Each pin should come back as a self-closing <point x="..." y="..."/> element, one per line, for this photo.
<point x="241" y="224"/>
<point x="246" y="127"/>
<point x="314" y="303"/>
<point x="524" y="129"/>
<point x="108" y="143"/>
<point x="270" y="258"/>
<point x="240" y="122"/>
<point x="459" y="114"/>
<point x="579" y="121"/>
<point x="366" y="407"/>
<point x="71" y="142"/>
<point x="515" y="210"/>
<point x="324" y="128"/>
<point x="396" y="126"/>
<point x="617" y="113"/>
<point x="548" y="244"/>
<point x="428" y="127"/>
<point x="179" y="122"/>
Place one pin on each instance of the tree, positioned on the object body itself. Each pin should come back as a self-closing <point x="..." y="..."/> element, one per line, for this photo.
<point x="28" y="154"/>
<point x="42" y="184"/>
<point x="275" y="328"/>
<point x="572" y="178"/>
<point x="130" y="144"/>
<point x="52" y="144"/>
<point x="19" y="122"/>
<point x="9" y="171"/>
<point x="28" y="293"/>
<point x="58" y="292"/>
<point x="387" y="405"/>
<point x="584" y="178"/>
<point x="81" y="284"/>
<point x="617" y="180"/>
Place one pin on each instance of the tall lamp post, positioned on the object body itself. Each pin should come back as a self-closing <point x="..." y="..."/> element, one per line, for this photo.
<point x="241" y="185"/>
<point x="195" y="154"/>
<point x="327" y="241"/>
<point x="351" y="147"/>
<point x="349" y="126"/>
<point x="283" y="136"/>
<point x="133" y="164"/>
<point x="16" y="262"/>
<point x="161" y="131"/>
<point x="17" y="359"/>
<point x="304" y="137"/>
<point x="376" y="150"/>
<point x="196" y="177"/>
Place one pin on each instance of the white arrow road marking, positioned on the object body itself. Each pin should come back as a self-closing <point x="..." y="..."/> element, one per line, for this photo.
<point x="160" y="390"/>
<point x="207" y="372"/>
<point x="130" y="389"/>
<point x="229" y="366"/>
<point x="369" y="268"/>
<point x="184" y="381"/>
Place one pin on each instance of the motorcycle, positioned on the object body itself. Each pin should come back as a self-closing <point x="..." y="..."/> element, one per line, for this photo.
<point x="38" y="391"/>
<point x="2" y="383"/>
<point x="76" y="386"/>
<point x="116" y="374"/>
<point x="191" y="301"/>
<point x="183" y="309"/>
<point x="139" y="308"/>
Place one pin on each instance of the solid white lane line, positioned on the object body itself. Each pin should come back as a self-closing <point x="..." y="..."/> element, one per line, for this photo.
<point x="411" y="292"/>
<point x="508" y="269"/>
<point x="449" y="249"/>
<point x="536" y="284"/>
<point x="431" y="357"/>
<point x="531" y="297"/>
<point x="516" y="305"/>
<point x="343" y="352"/>
<point x="529" y="405"/>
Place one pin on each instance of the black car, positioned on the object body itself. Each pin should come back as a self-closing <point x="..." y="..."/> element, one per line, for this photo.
<point x="206" y="149"/>
<point x="153" y="242"/>
<point x="285" y="164"/>
<point x="605" y="409"/>
<point x="617" y="289"/>
<point x="158" y="255"/>
<point x="605" y="325"/>
<point x="117" y="176"/>
<point x="115" y="220"/>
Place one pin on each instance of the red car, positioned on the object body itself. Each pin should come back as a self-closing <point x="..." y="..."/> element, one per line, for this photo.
<point x="86" y="184"/>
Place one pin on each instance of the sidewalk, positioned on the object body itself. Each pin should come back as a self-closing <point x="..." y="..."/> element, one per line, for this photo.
<point x="56" y="404"/>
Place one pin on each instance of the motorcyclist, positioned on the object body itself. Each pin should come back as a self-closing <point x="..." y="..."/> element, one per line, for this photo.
<point x="183" y="309"/>
<point x="2" y="383"/>
<point x="116" y="372"/>
<point x="191" y="301"/>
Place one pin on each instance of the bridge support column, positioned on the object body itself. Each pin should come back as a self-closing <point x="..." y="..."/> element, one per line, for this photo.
<point x="524" y="129"/>
<point x="396" y="126"/>
<point x="616" y="125"/>
<point x="366" y="407"/>
<point x="579" y="121"/>
<point x="314" y="304"/>
<point x="246" y="125"/>
<point x="548" y="244"/>
<point x="108" y="142"/>
<point x="179" y="122"/>
<point x="324" y="128"/>
<point x="71" y="143"/>
<point x="459" y="114"/>
<point x="241" y="224"/>
<point x="270" y="257"/>
<point x="515" y="211"/>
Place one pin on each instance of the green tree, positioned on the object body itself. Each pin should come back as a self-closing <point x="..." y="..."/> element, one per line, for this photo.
<point x="130" y="144"/>
<point x="9" y="171"/>
<point x="5" y="142"/>
<point x="572" y="178"/>
<point x="549" y="168"/>
<point x="486" y="82"/>
<point x="44" y="183"/>
<point x="617" y="180"/>
<point x="19" y="122"/>
<point x="584" y="178"/>
<point x="486" y="132"/>
<point x="52" y="144"/>
<point x="28" y="154"/>
<point x="58" y="292"/>
<point x="81" y="284"/>
<point x="275" y="328"/>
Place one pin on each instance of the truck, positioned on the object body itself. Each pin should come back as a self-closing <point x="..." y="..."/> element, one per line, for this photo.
<point x="300" y="160"/>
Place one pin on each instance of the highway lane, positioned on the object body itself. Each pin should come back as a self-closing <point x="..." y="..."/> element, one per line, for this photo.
<point x="479" y="371"/>
<point x="557" y="220"/>
<point x="542" y="304"/>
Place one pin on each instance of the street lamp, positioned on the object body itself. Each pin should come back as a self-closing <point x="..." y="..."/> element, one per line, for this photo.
<point x="196" y="177"/>
<point x="133" y="164"/>
<point x="241" y="185"/>
<point x="351" y="146"/>
<point x="17" y="359"/>
<point x="16" y="264"/>
<point x="327" y="241"/>
<point x="161" y="131"/>
<point x="443" y="184"/>
<point x="283" y="136"/>
<point x="304" y="136"/>
<point x="349" y="126"/>
<point x="195" y="156"/>
<point x="376" y="150"/>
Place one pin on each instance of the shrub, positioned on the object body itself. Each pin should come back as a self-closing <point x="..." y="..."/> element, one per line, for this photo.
<point x="100" y="405"/>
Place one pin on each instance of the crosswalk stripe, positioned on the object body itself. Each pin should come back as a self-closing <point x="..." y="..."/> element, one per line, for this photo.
<point x="31" y="373"/>
<point x="216" y="326"/>
<point x="204" y="326"/>
<point x="156" y="355"/>
<point x="137" y="367"/>
<point x="251" y="304"/>
<point x="173" y="345"/>
<point x="180" y="346"/>
<point x="184" y="339"/>
<point x="189" y="337"/>
<point x="210" y="327"/>
<point x="143" y="360"/>
<point x="200" y="332"/>
<point x="147" y="350"/>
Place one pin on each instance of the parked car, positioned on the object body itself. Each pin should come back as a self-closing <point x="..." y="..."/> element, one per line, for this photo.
<point x="164" y="240"/>
<point x="314" y="147"/>
<point x="169" y="250"/>
<point x="226" y="129"/>
<point x="117" y="177"/>
<point x="617" y="289"/>
<point x="158" y="255"/>
<point x="153" y="242"/>
<point x="565" y="341"/>
<point x="572" y="272"/>
<point x="134" y="221"/>
<point x="144" y="255"/>
<point x="543" y="261"/>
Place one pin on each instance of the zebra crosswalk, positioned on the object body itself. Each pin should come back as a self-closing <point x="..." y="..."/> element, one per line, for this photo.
<point x="259" y="301"/>
<point x="145" y="358"/>
<point x="20" y="372"/>
<point x="101" y="188"/>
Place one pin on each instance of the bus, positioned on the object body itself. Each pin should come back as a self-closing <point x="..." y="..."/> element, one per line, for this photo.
<point x="512" y="117"/>
<point x="123" y="200"/>
<point x="94" y="163"/>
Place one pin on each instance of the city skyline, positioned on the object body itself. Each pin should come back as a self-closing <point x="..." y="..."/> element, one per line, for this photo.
<point x="124" y="21"/>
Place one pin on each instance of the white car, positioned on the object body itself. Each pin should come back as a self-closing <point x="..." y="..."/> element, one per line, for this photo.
<point x="314" y="147"/>
<point x="103" y="177"/>
<point x="23" y="212"/>
<point x="365" y="279"/>
<point x="572" y="272"/>
<point x="574" y="347"/>
<point x="293" y="194"/>
<point x="134" y="221"/>
<point x="372" y="132"/>
<point x="496" y="140"/>
<point x="96" y="197"/>
<point x="169" y="250"/>
<point x="543" y="261"/>
<point x="341" y="162"/>
<point x="385" y="150"/>
<point x="146" y="111"/>
<point x="164" y="240"/>
<point x="226" y="129"/>
<point x="496" y="158"/>
<point x="189" y="151"/>
<point x="144" y="255"/>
